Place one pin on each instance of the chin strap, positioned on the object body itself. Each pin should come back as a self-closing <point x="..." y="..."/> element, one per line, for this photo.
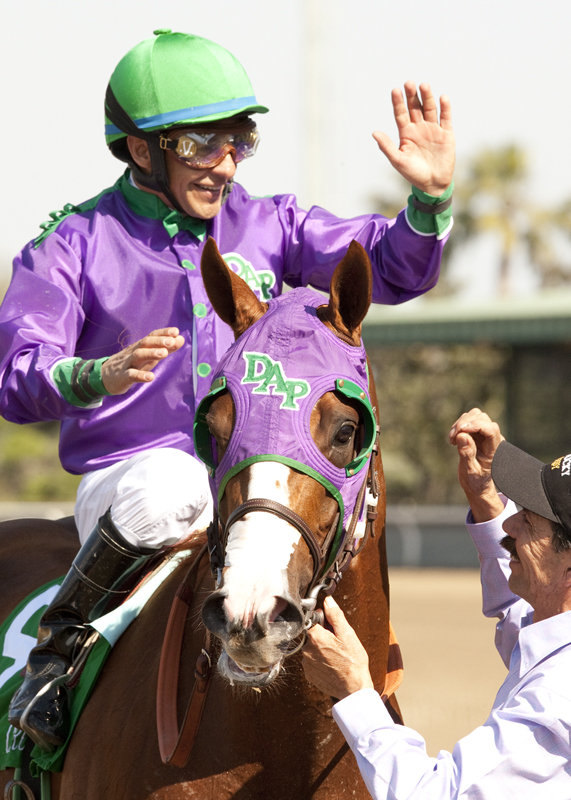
<point x="158" y="180"/>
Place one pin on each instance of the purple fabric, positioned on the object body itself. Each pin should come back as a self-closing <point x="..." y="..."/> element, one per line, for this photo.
<point x="276" y="372"/>
<point x="111" y="273"/>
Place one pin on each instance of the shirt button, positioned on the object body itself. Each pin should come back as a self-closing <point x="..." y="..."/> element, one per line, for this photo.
<point x="187" y="264"/>
<point x="203" y="370"/>
<point x="199" y="310"/>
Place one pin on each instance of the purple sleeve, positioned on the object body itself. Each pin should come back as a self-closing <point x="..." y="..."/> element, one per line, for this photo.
<point x="40" y="320"/>
<point x="405" y="263"/>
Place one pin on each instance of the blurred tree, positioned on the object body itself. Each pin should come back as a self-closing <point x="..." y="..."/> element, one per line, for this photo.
<point x="490" y="197"/>
<point x="422" y="389"/>
<point x="29" y="464"/>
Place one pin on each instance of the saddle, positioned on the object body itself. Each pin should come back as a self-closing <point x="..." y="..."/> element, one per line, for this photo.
<point x="17" y="636"/>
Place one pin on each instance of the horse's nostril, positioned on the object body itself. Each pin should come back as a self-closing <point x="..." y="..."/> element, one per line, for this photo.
<point x="213" y="614"/>
<point x="280" y="608"/>
<point x="287" y="614"/>
<point x="284" y="611"/>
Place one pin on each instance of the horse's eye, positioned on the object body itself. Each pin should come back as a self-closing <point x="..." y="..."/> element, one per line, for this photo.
<point x="210" y="420"/>
<point x="345" y="433"/>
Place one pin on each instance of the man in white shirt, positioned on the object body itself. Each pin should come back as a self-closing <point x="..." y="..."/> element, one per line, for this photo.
<point x="523" y="750"/>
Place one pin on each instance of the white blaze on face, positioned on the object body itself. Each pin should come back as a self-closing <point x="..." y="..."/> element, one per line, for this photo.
<point x="259" y="548"/>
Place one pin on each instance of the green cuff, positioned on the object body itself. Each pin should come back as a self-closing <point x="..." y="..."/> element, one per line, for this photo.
<point x="79" y="381"/>
<point x="430" y="222"/>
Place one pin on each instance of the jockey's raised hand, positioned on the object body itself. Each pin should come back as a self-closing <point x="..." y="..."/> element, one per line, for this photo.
<point x="135" y="363"/>
<point x="425" y="155"/>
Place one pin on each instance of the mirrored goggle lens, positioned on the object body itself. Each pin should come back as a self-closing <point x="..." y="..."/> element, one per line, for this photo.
<point x="207" y="149"/>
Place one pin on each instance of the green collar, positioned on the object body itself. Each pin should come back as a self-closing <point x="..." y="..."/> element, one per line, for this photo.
<point x="149" y="205"/>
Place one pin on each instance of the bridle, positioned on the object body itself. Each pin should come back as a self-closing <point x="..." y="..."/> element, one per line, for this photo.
<point x="275" y="375"/>
<point x="328" y="566"/>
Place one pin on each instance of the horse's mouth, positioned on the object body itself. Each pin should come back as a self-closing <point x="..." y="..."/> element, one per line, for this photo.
<point x="235" y="674"/>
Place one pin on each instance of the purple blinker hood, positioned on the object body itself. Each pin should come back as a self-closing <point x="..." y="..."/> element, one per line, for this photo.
<point x="276" y="372"/>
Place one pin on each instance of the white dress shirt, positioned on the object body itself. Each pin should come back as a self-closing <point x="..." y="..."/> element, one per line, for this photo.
<point x="522" y="751"/>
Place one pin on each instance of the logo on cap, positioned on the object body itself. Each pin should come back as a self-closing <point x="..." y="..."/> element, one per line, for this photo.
<point x="563" y="463"/>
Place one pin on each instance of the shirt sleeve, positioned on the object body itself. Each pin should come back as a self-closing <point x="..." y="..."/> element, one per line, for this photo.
<point x="520" y="751"/>
<point x="40" y="320"/>
<point x="405" y="262"/>
<point x="390" y="757"/>
<point x="497" y="598"/>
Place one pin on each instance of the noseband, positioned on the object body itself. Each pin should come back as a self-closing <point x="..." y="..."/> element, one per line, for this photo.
<point x="328" y="568"/>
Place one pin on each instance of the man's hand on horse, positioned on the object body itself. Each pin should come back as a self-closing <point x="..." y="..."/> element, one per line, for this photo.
<point x="476" y="438"/>
<point x="336" y="662"/>
<point x="425" y="156"/>
<point x="135" y="363"/>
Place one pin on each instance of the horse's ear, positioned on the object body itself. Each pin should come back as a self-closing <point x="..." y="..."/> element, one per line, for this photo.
<point x="231" y="297"/>
<point x="349" y="293"/>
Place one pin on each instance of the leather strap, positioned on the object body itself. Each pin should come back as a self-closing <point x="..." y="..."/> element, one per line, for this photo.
<point x="175" y="744"/>
<point x="273" y="507"/>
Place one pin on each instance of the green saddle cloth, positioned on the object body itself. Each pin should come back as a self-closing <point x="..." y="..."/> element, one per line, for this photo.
<point x="18" y="636"/>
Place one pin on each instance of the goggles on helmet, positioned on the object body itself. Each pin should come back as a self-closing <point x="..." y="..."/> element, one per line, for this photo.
<point x="203" y="148"/>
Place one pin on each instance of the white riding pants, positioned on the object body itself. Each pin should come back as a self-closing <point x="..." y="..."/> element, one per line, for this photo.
<point x="156" y="498"/>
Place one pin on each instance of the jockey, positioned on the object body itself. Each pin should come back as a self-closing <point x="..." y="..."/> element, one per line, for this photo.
<point x="107" y="327"/>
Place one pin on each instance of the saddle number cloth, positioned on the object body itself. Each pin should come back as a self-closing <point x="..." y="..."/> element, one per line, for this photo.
<point x="18" y="636"/>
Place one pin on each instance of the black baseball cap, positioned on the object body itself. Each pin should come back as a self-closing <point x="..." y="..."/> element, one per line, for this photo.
<point x="542" y="488"/>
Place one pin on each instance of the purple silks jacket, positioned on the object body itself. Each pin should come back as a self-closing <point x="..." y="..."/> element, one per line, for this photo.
<point x="110" y="271"/>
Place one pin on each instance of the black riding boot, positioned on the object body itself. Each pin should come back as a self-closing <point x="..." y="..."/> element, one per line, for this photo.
<point x="102" y="574"/>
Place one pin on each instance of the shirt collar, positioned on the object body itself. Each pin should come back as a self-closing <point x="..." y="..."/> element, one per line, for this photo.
<point x="149" y="205"/>
<point x="541" y="639"/>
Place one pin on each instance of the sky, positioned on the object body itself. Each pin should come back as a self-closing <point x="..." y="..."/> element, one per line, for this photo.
<point x="325" y="68"/>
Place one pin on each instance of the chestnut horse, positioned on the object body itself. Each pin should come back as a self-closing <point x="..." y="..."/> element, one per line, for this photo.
<point x="292" y="523"/>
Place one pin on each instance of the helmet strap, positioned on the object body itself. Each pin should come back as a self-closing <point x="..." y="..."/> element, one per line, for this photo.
<point x="158" y="180"/>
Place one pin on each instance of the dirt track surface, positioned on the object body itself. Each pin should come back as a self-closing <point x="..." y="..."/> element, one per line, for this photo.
<point x="452" y="670"/>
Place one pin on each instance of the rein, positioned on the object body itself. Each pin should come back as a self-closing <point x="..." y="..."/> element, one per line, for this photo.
<point x="175" y="744"/>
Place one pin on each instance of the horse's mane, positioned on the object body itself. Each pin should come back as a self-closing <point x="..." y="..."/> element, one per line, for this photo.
<point x="192" y="541"/>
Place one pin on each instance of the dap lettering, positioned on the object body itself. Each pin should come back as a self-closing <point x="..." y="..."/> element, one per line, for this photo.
<point x="270" y="377"/>
<point x="260" y="281"/>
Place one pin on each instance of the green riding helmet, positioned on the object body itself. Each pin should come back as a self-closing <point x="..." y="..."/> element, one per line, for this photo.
<point x="179" y="79"/>
<point x="170" y="80"/>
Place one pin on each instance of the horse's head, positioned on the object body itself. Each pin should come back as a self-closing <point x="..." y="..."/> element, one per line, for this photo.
<point x="287" y="431"/>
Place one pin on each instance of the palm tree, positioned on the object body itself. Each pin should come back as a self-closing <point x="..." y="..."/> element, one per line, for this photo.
<point x="490" y="197"/>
